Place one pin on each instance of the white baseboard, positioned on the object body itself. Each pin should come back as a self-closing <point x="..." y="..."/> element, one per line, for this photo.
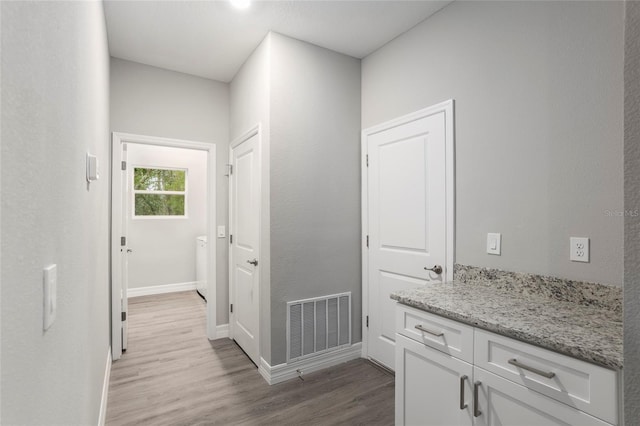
<point x="281" y="372"/>
<point x="161" y="289"/>
<point x="222" y="331"/>
<point x="105" y="390"/>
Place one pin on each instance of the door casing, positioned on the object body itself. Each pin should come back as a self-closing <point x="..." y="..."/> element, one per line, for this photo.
<point x="117" y="141"/>
<point x="448" y="108"/>
<point x="256" y="130"/>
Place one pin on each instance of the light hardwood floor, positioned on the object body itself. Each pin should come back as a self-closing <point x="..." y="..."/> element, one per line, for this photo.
<point x="172" y="375"/>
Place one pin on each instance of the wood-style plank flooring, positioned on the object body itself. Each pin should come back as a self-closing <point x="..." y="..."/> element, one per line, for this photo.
<point x="172" y="375"/>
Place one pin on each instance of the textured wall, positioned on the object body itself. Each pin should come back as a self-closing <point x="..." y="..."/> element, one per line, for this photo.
<point x="632" y="202"/>
<point x="55" y="106"/>
<point x="164" y="250"/>
<point x="151" y="101"/>
<point x="315" y="180"/>
<point x="539" y="118"/>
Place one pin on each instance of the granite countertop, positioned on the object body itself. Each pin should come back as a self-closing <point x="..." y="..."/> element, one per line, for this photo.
<point x="583" y="331"/>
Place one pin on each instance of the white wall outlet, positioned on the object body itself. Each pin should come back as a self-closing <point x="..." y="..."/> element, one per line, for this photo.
<point x="579" y="249"/>
<point x="50" y="284"/>
<point x="494" y="242"/>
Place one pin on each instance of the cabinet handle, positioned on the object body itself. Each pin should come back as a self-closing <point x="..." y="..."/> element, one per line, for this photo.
<point x="462" y="404"/>
<point x="435" y="333"/>
<point x="476" y="410"/>
<point x="547" y="374"/>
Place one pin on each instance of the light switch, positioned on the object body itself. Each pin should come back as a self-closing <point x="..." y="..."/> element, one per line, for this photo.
<point x="222" y="231"/>
<point x="493" y="243"/>
<point x="50" y="282"/>
<point x="92" y="168"/>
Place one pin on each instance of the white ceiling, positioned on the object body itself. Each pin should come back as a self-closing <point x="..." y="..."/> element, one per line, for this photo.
<point x="212" y="39"/>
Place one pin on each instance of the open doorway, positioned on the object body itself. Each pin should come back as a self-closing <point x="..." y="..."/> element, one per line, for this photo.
<point x="163" y="209"/>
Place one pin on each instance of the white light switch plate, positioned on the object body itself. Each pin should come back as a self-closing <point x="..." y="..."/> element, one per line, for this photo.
<point x="50" y="298"/>
<point x="579" y="249"/>
<point x="222" y="231"/>
<point x="494" y="241"/>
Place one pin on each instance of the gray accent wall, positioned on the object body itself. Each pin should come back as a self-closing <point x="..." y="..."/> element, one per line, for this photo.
<point x="315" y="180"/>
<point x="151" y="101"/>
<point x="539" y="126"/>
<point x="632" y="203"/>
<point x="307" y="102"/>
<point x="55" y="109"/>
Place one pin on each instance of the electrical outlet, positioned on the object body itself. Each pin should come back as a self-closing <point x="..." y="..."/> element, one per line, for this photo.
<point x="579" y="249"/>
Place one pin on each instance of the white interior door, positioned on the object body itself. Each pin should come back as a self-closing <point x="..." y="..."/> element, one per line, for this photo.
<point x="245" y="256"/>
<point x="407" y="219"/>
<point x="125" y="250"/>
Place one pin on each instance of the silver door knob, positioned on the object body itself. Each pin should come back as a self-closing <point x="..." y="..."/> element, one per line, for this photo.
<point x="254" y="262"/>
<point x="437" y="269"/>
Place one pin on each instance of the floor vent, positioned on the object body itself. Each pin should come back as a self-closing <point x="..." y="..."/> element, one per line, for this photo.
<point x="318" y="325"/>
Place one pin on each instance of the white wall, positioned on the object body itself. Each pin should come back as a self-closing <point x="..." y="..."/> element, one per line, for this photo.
<point x="164" y="249"/>
<point x="315" y="180"/>
<point x="632" y="202"/>
<point x="151" y="101"/>
<point x="538" y="90"/>
<point x="55" y="77"/>
<point x="249" y="106"/>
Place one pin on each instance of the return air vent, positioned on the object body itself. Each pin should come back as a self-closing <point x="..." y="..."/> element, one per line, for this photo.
<point x="318" y="325"/>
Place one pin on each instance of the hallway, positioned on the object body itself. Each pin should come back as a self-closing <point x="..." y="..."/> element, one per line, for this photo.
<point x="172" y="375"/>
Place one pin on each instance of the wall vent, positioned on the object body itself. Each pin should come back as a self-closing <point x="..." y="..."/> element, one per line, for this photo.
<point x="318" y="325"/>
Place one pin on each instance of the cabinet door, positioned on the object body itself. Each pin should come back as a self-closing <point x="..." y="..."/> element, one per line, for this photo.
<point x="502" y="402"/>
<point x="430" y="386"/>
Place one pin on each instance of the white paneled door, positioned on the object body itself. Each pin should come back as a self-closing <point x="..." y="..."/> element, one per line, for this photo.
<point x="407" y="226"/>
<point x="245" y="255"/>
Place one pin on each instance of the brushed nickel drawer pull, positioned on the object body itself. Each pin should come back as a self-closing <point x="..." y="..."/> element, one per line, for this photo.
<point x="476" y="410"/>
<point x="435" y="333"/>
<point x="462" y="404"/>
<point x="547" y="374"/>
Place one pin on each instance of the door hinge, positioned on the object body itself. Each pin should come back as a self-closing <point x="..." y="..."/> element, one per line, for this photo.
<point x="123" y="316"/>
<point x="123" y="165"/>
<point x="367" y="321"/>
<point x="367" y="160"/>
<point x="230" y="169"/>
<point x="123" y="241"/>
<point x="231" y="307"/>
<point x="367" y="241"/>
<point x="230" y="239"/>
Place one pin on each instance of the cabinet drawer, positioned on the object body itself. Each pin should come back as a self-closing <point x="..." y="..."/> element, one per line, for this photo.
<point x="445" y="335"/>
<point x="588" y="387"/>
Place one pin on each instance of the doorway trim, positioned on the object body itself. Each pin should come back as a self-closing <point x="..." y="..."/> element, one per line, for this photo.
<point x="117" y="140"/>
<point x="255" y="130"/>
<point x="448" y="108"/>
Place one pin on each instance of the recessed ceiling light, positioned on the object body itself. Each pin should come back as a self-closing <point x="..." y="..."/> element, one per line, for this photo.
<point x="240" y="4"/>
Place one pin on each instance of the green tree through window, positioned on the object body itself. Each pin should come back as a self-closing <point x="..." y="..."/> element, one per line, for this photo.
<point x="159" y="192"/>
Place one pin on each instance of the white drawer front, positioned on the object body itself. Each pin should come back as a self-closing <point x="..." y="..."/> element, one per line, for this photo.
<point x="448" y="336"/>
<point x="586" y="386"/>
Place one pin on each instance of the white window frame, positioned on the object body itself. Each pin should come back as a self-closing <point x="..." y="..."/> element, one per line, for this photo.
<point x="139" y="191"/>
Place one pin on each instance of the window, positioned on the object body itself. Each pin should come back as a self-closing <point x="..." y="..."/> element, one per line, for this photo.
<point x="159" y="192"/>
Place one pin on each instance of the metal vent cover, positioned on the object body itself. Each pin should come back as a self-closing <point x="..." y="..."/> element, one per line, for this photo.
<point x="318" y="325"/>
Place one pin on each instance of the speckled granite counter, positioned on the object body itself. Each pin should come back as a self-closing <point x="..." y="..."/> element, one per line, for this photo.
<point x="529" y="312"/>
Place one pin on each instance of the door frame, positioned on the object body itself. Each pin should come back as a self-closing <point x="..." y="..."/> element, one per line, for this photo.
<point x="255" y="130"/>
<point x="448" y="108"/>
<point x="117" y="140"/>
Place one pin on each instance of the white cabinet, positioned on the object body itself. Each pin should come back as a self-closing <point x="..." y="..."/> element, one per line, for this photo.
<point x="449" y="373"/>
<point x="501" y="403"/>
<point x="431" y="387"/>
